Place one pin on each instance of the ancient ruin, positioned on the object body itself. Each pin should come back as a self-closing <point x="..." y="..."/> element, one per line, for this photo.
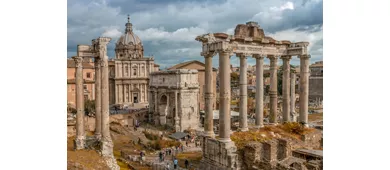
<point x="175" y="98"/>
<point x="248" y="40"/>
<point x="97" y="50"/>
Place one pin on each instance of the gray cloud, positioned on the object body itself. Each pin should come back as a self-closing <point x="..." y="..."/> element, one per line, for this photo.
<point x="168" y="28"/>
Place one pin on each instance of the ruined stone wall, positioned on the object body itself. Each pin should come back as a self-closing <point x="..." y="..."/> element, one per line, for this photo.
<point x="218" y="155"/>
<point x="276" y="154"/>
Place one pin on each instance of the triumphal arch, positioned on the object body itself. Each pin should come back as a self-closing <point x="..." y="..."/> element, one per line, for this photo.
<point x="248" y="40"/>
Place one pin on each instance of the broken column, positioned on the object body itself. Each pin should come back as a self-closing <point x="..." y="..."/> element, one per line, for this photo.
<point x="286" y="88"/>
<point x="80" y="133"/>
<point x="98" y="99"/>
<point x="243" y="94"/>
<point x="304" y="89"/>
<point x="273" y="92"/>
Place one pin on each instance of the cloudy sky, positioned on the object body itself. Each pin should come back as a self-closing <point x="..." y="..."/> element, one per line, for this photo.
<point x="168" y="28"/>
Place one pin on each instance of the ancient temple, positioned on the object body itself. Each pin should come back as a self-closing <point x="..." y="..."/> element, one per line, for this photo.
<point x="132" y="69"/>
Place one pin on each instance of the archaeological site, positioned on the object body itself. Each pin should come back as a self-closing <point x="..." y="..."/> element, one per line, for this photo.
<point x="125" y="112"/>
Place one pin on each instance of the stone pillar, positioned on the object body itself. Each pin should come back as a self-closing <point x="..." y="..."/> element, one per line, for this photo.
<point x="259" y="91"/>
<point x="224" y="95"/>
<point x="98" y="99"/>
<point x="209" y="95"/>
<point x="243" y="124"/>
<point x="292" y="100"/>
<point x="80" y="133"/>
<point x="107" y="144"/>
<point x="286" y="88"/>
<point x="304" y="89"/>
<point x="177" y="126"/>
<point x="273" y="92"/>
<point x="156" y="114"/>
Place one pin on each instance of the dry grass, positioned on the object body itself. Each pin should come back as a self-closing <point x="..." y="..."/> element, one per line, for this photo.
<point x="315" y="116"/>
<point x="88" y="159"/>
<point x="292" y="130"/>
<point x="193" y="157"/>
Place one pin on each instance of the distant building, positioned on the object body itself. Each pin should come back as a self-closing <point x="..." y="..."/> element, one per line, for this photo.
<point x="197" y="65"/>
<point x="89" y="81"/>
<point x="316" y="81"/>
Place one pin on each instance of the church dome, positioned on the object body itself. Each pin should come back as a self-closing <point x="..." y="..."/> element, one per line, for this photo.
<point x="129" y="38"/>
<point x="129" y="46"/>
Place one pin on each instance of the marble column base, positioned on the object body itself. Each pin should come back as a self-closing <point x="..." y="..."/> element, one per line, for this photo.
<point x="79" y="142"/>
<point x="209" y="134"/>
<point x="107" y="147"/>
<point x="243" y="129"/>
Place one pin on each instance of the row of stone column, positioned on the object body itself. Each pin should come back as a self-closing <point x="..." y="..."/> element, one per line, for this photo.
<point x="225" y="90"/>
<point x="102" y="130"/>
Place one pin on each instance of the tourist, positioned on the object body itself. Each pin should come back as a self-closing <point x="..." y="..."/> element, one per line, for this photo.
<point x="160" y="156"/>
<point x="175" y="162"/>
<point x="169" y="151"/>
<point x="186" y="163"/>
<point x="187" y="143"/>
<point x="167" y="166"/>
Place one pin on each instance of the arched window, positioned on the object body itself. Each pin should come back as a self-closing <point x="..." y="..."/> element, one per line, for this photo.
<point x="134" y="72"/>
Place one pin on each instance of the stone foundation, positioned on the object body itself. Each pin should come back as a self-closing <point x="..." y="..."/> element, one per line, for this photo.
<point x="276" y="154"/>
<point x="218" y="155"/>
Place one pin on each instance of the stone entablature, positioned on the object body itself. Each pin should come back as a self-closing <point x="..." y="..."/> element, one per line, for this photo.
<point x="250" y="43"/>
<point x="181" y="78"/>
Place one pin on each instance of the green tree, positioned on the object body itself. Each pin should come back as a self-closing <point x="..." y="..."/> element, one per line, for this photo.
<point x="89" y="106"/>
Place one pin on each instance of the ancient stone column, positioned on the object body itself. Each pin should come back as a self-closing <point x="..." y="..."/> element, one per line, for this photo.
<point x="209" y="95"/>
<point x="292" y="100"/>
<point x="177" y="126"/>
<point x="156" y="114"/>
<point x="107" y="144"/>
<point x="304" y="89"/>
<point x="273" y="92"/>
<point x="224" y="95"/>
<point x="286" y="88"/>
<point x="259" y="91"/>
<point x="80" y="133"/>
<point x="243" y="124"/>
<point x="98" y="99"/>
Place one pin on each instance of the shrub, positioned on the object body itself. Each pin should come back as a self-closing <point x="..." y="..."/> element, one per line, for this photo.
<point x="293" y="127"/>
<point x="150" y="136"/>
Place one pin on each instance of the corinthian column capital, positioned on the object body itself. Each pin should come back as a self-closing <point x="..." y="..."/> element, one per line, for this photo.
<point x="78" y="61"/>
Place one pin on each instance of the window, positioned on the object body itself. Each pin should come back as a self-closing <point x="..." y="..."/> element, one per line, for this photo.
<point x="163" y="80"/>
<point x="135" y="72"/>
<point x="127" y="71"/>
<point x="88" y="75"/>
<point x="85" y="87"/>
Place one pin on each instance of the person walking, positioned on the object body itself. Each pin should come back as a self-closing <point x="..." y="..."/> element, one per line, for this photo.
<point x="167" y="166"/>
<point x="186" y="163"/>
<point x="175" y="162"/>
<point x="160" y="156"/>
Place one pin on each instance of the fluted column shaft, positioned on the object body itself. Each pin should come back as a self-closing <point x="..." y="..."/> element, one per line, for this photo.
<point x="259" y="91"/>
<point x="224" y="95"/>
<point x="80" y="133"/>
<point x="209" y="95"/>
<point x="98" y="99"/>
<point x="243" y="124"/>
<point x="273" y="92"/>
<point x="292" y="99"/>
<point x="304" y="89"/>
<point x="286" y="88"/>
